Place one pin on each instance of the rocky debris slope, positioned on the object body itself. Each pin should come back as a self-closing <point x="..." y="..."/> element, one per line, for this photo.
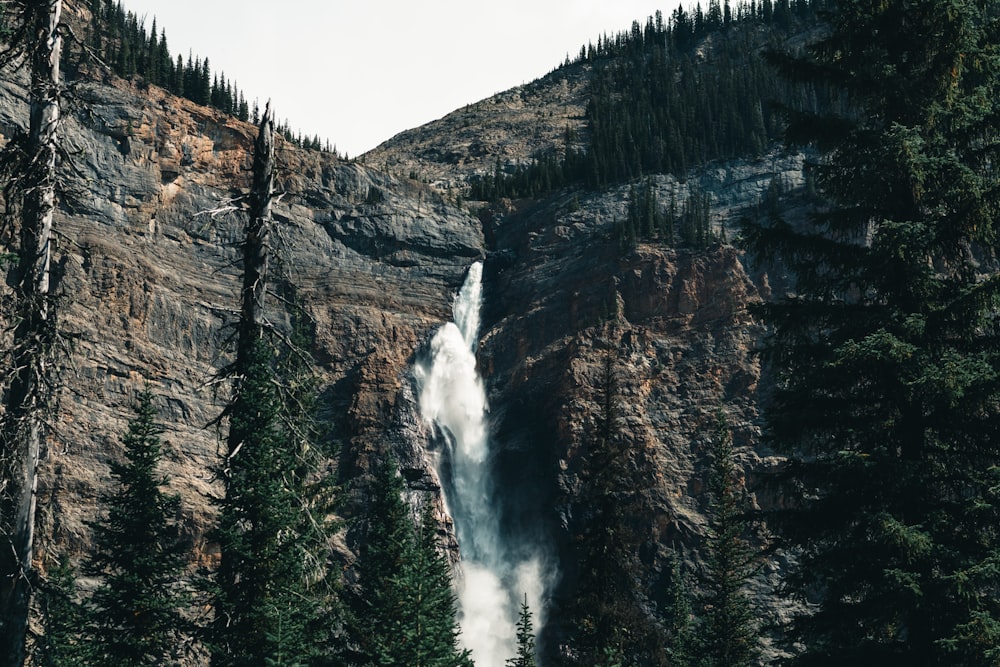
<point x="506" y="129"/>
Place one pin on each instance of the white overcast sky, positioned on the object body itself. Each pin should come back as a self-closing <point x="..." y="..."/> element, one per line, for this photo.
<point x="357" y="72"/>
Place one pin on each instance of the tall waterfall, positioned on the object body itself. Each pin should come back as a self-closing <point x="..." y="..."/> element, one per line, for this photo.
<point x="494" y="576"/>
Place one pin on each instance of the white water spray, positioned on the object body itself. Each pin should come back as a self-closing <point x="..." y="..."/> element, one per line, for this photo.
<point x="493" y="579"/>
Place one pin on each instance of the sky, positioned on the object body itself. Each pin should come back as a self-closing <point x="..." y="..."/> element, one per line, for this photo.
<point x="358" y="72"/>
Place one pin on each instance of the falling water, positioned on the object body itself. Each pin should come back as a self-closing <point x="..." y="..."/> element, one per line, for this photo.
<point x="493" y="579"/>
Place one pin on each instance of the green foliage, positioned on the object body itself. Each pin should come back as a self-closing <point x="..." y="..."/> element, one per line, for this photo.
<point x="406" y="613"/>
<point x="525" y="656"/>
<point x="118" y="38"/>
<point x="608" y="611"/>
<point x="134" y="614"/>
<point x="885" y="358"/>
<point x="62" y="643"/>
<point x="677" y="616"/>
<point x="269" y="588"/>
<point x="727" y="633"/>
<point x="658" y="104"/>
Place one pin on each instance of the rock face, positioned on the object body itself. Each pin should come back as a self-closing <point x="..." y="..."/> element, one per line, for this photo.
<point x="147" y="269"/>
<point x="560" y="295"/>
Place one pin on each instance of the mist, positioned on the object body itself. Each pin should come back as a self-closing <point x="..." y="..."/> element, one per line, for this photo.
<point x="497" y="569"/>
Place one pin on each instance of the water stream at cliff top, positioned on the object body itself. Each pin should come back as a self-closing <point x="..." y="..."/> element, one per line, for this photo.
<point x="494" y="577"/>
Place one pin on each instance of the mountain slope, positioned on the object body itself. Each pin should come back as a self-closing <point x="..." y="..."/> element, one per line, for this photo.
<point x="508" y="128"/>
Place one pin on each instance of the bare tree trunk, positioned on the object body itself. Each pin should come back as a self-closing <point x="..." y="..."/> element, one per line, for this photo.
<point x="28" y="392"/>
<point x="255" y="245"/>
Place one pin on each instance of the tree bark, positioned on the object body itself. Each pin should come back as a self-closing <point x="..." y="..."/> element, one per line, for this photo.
<point x="28" y="391"/>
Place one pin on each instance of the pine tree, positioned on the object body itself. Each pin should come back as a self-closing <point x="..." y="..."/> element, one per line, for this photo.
<point x="62" y="643"/>
<point x="609" y="609"/>
<point x="135" y="613"/>
<point x="677" y="617"/>
<point x="262" y="605"/>
<point x="381" y="556"/>
<point x="406" y="613"/>
<point x="525" y="656"/>
<point x="270" y="588"/>
<point x="885" y="355"/>
<point x="430" y="629"/>
<point x="727" y="634"/>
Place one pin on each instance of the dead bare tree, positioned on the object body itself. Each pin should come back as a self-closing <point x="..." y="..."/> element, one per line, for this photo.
<point x="256" y="250"/>
<point x="32" y="189"/>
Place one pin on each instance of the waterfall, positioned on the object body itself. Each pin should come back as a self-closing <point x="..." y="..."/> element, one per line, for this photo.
<point x="494" y="575"/>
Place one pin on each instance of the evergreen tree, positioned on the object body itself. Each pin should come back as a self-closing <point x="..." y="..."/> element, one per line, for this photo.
<point x="135" y="612"/>
<point x="727" y="635"/>
<point x="270" y="588"/>
<point x="430" y="629"/>
<point x="609" y="610"/>
<point x="262" y="603"/>
<point x="62" y="643"/>
<point x="886" y="354"/>
<point x="381" y="555"/>
<point x="677" y="616"/>
<point x="407" y="611"/>
<point x="525" y="639"/>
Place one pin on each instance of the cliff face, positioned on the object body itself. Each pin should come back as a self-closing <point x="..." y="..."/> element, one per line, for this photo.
<point x="148" y="251"/>
<point x="148" y="269"/>
<point x="561" y="295"/>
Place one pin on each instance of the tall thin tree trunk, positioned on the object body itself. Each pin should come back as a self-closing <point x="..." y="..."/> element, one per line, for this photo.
<point x="229" y="605"/>
<point x="21" y="431"/>
<point x="255" y="245"/>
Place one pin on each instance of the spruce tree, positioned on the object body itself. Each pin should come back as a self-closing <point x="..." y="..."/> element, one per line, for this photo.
<point x="430" y="629"/>
<point x="885" y="351"/>
<point x="135" y="613"/>
<point x="677" y="617"/>
<point x="264" y="604"/>
<point x="727" y="634"/>
<point x="406" y="613"/>
<point x="62" y="643"/>
<point x="381" y="555"/>
<point x="270" y="587"/>
<point x="525" y="656"/>
<point x="609" y="610"/>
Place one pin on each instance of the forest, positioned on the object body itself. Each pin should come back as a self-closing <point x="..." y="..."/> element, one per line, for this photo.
<point x="883" y="359"/>
<point x="674" y="94"/>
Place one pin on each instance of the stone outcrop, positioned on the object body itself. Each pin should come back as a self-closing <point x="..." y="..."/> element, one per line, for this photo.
<point x="506" y="130"/>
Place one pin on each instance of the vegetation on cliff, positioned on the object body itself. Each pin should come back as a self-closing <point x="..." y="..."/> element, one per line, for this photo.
<point x="120" y="40"/>
<point x="672" y="95"/>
